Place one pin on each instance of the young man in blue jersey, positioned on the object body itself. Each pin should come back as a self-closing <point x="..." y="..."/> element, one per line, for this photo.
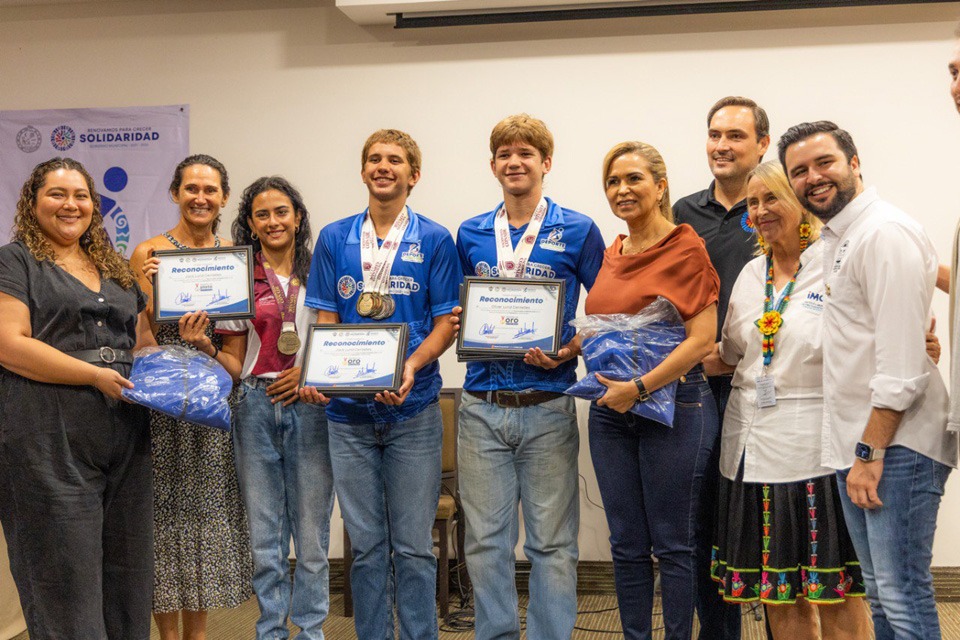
<point x="519" y="437"/>
<point x="386" y="450"/>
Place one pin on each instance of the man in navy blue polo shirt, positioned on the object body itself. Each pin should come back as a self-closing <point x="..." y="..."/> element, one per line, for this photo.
<point x="389" y="264"/>
<point x="519" y="437"/>
<point x="738" y="134"/>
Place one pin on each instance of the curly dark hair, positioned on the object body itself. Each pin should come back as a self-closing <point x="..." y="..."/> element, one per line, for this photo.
<point x="209" y="161"/>
<point x="95" y="242"/>
<point x="243" y="234"/>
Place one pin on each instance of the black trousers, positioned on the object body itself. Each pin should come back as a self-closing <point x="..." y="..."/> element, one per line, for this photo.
<point x="76" y="504"/>
<point x="718" y="620"/>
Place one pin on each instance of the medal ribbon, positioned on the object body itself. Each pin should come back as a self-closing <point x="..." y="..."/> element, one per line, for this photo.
<point x="512" y="263"/>
<point x="376" y="262"/>
<point x="286" y="302"/>
<point x="772" y="318"/>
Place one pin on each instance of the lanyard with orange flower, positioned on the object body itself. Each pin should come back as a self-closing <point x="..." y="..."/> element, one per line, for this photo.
<point x="772" y="318"/>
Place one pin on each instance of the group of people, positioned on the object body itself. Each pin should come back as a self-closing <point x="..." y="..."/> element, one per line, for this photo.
<point x="804" y="466"/>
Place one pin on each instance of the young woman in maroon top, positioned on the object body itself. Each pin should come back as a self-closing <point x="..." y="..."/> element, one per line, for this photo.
<point x="649" y="473"/>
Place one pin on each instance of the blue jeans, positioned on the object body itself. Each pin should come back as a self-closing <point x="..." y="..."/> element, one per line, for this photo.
<point x="507" y="456"/>
<point x="649" y="477"/>
<point x="283" y="464"/>
<point x="387" y="478"/>
<point x="895" y="544"/>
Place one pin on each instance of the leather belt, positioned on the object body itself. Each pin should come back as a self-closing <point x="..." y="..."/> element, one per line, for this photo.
<point x="103" y="355"/>
<point x="515" y="399"/>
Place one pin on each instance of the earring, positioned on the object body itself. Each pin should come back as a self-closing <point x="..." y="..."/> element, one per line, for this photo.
<point x="804" y="236"/>
<point x="253" y="235"/>
<point x="760" y="241"/>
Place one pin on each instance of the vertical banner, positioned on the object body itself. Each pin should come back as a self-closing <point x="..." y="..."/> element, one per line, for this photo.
<point x="130" y="152"/>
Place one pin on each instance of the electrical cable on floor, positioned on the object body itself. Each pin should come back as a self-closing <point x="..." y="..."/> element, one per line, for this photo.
<point x="586" y="494"/>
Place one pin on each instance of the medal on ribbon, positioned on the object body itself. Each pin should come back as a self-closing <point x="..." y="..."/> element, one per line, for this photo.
<point x="376" y="263"/>
<point x="512" y="263"/>
<point x="288" y="342"/>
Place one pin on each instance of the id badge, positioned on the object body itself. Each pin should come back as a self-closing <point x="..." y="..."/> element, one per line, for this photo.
<point x="766" y="392"/>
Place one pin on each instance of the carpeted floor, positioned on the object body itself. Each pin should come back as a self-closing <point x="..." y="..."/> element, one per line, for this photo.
<point x="238" y="624"/>
<point x="598" y="619"/>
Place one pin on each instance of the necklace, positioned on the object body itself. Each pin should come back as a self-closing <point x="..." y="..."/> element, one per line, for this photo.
<point x="181" y="246"/>
<point x="633" y="250"/>
<point x="772" y="319"/>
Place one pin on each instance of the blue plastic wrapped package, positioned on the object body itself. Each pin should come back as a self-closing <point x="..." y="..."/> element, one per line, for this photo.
<point x="182" y="383"/>
<point x="623" y="346"/>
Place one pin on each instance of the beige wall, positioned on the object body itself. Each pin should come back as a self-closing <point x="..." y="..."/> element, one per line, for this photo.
<point x="294" y="89"/>
<point x="11" y="618"/>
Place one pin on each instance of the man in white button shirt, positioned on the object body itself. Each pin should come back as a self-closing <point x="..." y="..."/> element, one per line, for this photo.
<point x="885" y="404"/>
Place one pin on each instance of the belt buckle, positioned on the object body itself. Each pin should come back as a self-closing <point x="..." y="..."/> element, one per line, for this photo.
<point x="107" y="355"/>
<point x="503" y="395"/>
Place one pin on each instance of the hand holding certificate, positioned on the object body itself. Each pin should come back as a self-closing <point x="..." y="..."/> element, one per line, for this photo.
<point x="218" y="281"/>
<point x="505" y="318"/>
<point x="354" y="359"/>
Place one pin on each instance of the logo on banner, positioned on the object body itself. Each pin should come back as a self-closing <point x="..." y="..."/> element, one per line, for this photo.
<point x="346" y="287"/>
<point x="29" y="139"/>
<point x="63" y="138"/>
<point x="115" y="180"/>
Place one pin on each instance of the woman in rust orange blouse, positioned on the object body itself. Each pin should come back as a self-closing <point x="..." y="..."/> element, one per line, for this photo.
<point x="648" y="473"/>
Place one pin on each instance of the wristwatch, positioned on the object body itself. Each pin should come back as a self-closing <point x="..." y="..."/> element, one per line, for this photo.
<point x="869" y="453"/>
<point x="642" y="394"/>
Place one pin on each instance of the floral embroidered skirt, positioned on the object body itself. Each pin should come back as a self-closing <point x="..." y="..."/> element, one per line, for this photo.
<point x="782" y="541"/>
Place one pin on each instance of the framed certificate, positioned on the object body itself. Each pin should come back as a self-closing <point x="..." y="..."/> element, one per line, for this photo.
<point x="504" y="318"/>
<point x="354" y="359"/>
<point x="218" y="281"/>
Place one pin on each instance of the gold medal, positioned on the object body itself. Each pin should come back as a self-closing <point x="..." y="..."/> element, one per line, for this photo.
<point x="288" y="343"/>
<point x="366" y="304"/>
<point x="387" y="308"/>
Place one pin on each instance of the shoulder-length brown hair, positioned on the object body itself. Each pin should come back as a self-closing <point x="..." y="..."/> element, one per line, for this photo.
<point x="95" y="242"/>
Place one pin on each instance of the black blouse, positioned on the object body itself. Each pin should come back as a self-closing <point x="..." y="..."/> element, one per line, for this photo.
<point x="64" y="313"/>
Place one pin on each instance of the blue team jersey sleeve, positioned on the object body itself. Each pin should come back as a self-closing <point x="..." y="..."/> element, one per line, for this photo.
<point x="591" y="257"/>
<point x="445" y="276"/>
<point x="322" y="283"/>
<point x="465" y="265"/>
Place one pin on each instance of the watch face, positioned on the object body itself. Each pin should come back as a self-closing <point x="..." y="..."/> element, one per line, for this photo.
<point x="863" y="451"/>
